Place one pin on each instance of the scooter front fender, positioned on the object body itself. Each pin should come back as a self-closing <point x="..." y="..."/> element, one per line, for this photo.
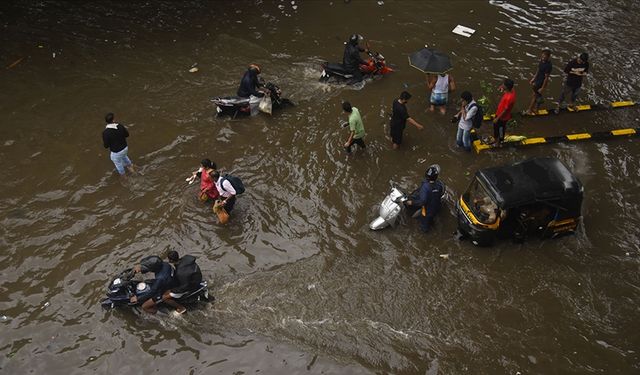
<point x="378" y="223"/>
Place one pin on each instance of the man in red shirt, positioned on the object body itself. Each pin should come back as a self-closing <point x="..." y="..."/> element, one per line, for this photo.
<point x="503" y="113"/>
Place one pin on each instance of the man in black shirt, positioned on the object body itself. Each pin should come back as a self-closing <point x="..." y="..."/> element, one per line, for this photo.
<point x="576" y="69"/>
<point x="399" y="118"/>
<point x="114" y="138"/>
<point x="187" y="279"/>
<point x="351" y="59"/>
<point x="539" y="81"/>
<point x="250" y="84"/>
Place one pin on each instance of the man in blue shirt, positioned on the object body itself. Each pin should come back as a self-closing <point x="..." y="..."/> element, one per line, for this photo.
<point x="429" y="199"/>
<point x="162" y="282"/>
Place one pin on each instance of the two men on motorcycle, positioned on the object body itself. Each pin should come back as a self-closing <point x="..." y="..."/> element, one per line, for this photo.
<point x="429" y="198"/>
<point x="351" y="59"/>
<point x="171" y="280"/>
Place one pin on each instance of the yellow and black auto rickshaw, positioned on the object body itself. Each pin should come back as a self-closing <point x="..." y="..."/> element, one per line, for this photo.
<point x="539" y="197"/>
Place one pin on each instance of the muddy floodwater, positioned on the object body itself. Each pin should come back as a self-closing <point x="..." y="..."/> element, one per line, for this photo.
<point x="302" y="285"/>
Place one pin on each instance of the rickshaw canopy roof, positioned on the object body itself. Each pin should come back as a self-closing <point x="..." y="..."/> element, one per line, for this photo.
<point x="530" y="181"/>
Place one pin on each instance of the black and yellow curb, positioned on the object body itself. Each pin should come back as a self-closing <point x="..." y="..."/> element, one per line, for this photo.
<point x="480" y="146"/>
<point x="578" y="108"/>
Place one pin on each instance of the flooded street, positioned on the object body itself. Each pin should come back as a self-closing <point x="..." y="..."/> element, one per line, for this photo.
<point x="301" y="283"/>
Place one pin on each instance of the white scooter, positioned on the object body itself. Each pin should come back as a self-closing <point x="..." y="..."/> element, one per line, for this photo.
<point x="390" y="208"/>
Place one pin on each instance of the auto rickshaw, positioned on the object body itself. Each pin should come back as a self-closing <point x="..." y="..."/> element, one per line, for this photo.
<point x="535" y="197"/>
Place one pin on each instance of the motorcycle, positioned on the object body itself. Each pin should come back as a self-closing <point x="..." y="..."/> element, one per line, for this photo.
<point x="335" y="72"/>
<point x="237" y="106"/>
<point x="390" y="208"/>
<point x="393" y="205"/>
<point x="123" y="287"/>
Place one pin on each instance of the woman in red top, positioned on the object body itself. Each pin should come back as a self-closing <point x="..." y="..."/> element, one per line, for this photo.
<point x="503" y="113"/>
<point x="207" y="185"/>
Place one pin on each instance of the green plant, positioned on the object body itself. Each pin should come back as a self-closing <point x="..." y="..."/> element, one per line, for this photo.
<point x="484" y="100"/>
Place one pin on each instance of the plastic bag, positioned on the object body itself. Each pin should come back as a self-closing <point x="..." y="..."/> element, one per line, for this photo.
<point x="265" y="104"/>
<point x="223" y="215"/>
<point x="254" y="103"/>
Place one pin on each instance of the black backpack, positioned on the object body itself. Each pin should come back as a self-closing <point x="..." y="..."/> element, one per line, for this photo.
<point x="478" y="117"/>
<point x="236" y="182"/>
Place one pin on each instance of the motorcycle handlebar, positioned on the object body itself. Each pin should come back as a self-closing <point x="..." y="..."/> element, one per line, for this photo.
<point x="127" y="274"/>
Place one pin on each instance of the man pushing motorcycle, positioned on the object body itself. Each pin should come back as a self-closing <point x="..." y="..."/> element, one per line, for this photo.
<point x="429" y="198"/>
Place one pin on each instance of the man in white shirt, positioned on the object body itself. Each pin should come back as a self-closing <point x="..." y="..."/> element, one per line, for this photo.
<point x="226" y="190"/>
<point x="468" y="109"/>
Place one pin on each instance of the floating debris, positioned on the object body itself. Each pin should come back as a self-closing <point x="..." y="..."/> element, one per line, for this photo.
<point x="444" y="256"/>
<point x="15" y="63"/>
<point x="463" y="30"/>
<point x="193" y="70"/>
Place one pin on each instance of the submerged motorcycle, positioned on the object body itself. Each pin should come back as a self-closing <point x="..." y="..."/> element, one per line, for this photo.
<point x="237" y="106"/>
<point x="335" y="72"/>
<point x="123" y="287"/>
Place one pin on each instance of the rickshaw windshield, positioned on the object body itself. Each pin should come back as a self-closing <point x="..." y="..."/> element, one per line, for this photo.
<point x="481" y="204"/>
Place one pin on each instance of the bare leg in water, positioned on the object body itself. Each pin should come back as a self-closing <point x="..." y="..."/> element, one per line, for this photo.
<point x="166" y="297"/>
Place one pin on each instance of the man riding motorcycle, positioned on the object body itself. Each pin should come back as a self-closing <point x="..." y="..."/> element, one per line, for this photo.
<point x="351" y="59"/>
<point x="429" y="199"/>
<point x="250" y="85"/>
<point x="163" y="279"/>
<point x="187" y="277"/>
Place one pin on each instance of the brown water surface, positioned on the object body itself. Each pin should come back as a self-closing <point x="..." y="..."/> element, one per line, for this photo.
<point x="302" y="284"/>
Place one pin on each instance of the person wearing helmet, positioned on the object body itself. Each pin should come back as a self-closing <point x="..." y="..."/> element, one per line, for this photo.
<point x="163" y="280"/>
<point x="429" y="198"/>
<point x="351" y="59"/>
<point x="250" y="85"/>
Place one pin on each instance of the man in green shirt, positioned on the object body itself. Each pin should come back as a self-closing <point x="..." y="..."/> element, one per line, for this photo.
<point x="356" y="127"/>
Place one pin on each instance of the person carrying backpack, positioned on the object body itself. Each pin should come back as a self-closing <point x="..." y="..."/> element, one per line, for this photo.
<point x="227" y="190"/>
<point x="467" y="119"/>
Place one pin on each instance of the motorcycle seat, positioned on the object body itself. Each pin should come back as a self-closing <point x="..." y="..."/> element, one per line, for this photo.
<point x="231" y="100"/>
<point x="336" y="67"/>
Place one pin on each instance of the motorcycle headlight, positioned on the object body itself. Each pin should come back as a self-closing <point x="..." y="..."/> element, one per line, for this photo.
<point x="141" y="286"/>
<point x="117" y="282"/>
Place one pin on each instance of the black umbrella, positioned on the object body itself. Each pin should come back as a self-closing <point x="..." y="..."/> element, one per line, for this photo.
<point x="429" y="60"/>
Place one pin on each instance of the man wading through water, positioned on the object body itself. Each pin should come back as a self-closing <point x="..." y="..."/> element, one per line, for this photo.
<point x="114" y="137"/>
<point x="356" y="128"/>
<point x="399" y="118"/>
